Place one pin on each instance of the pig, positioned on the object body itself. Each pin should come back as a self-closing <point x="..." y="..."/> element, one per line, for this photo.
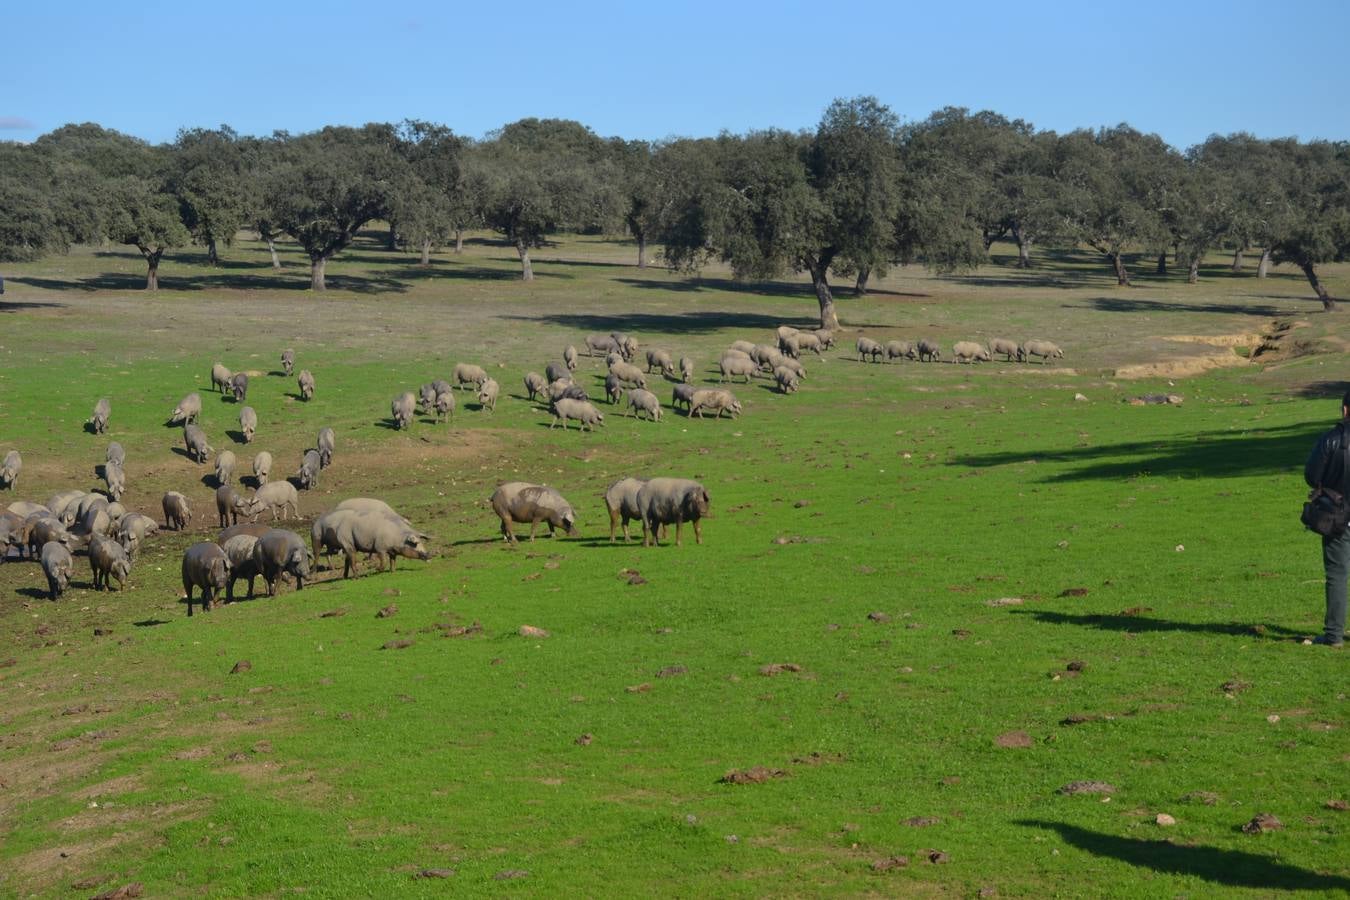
<point x="928" y="350"/>
<point x="521" y="502"/>
<point x="766" y="357"/>
<point x="239" y="551"/>
<point x="308" y="476"/>
<point x="58" y="566"/>
<point x="326" y="443"/>
<point x="177" y="511"/>
<point x="86" y="503"/>
<point x="644" y="401"/>
<point x="733" y="353"/>
<point x="570" y="357"/>
<point x="788" y="346"/>
<point x="306" y="383"/>
<point x="108" y="559"/>
<point x="225" y="463"/>
<point x="868" y="347"/>
<point x="613" y="388"/>
<point x="663" y="501"/>
<point x="586" y="414"/>
<point x="745" y="347"/>
<point x="262" y="468"/>
<point x="968" y="351"/>
<point x="630" y="374"/>
<point x="1044" y="349"/>
<point x="553" y="371"/>
<point x="352" y="532"/>
<point x="44" y="530"/>
<point x="14" y="533"/>
<point x="426" y="396"/>
<point x="786" y="379"/>
<point x="717" y="401"/>
<point x="627" y="345"/>
<point x="621" y="503"/>
<point x="275" y="496"/>
<point x="686" y="369"/>
<point x="187" y="410"/>
<point x="487" y="395"/>
<point x="288" y="361"/>
<point x="115" y="479"/>
<point x="825" y="336"/>
<point x="281" y="552"/>
<point x="682" y="395"/>
<point x="25" y="508"/>
<point x="230" y="505"/>
<point x="401" y="410"/>
<point x="115" y="455"/>
<point x="251" y="529"/>
<point x="248" y="423"/>
<point x="445" y="406"/>
<point x="133" y="530"/>
<point x="205" y="566"/>
<point x="98" y="422"/>
<point x="785" y="331"/>
<point x="732" y="366"/>
<point x="97" y="520"/>
<point x="614" y="357"/>
<point x="239" y="387"/>
<point x="195" y="441"/>
<point x="220" y="378"/>
<point x="1009" y="349"/>
<point x="467" y="374"/>
<point x="566" y="389"/>
<point x="661" y="361"/>
<point x="9" y="471"/>
<point x="900" y="350"/>
<point x="442" y="386"/>
<point x="600" y="343"/>
<point x="535" y="384"/>
<point x="808" y="341"/>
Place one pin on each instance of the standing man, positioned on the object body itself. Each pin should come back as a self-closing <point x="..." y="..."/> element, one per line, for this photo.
<point x="1326" y="468"/>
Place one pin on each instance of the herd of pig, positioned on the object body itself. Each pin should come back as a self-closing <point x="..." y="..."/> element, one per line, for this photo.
<point x="112" y="536"/>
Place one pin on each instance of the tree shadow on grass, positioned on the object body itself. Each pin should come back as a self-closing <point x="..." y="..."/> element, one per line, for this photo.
<point x="258" y="280"/>
<point x="1235" y="868"/>
<point x="1141" y="305"/>
<point x="467" y="272"/>
<point x="1205" y="454"/>
<point x="1142" y="624"/>
<point x="694" y="322"/>
<point x="1321" y="390"/>
<point x="19" y="306"/>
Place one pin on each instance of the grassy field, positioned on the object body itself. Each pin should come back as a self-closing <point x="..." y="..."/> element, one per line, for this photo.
<point x="978" y="590"/>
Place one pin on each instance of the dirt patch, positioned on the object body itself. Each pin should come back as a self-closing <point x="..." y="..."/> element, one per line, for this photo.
<point x="1247" y="339"/>
<point x="1014" y="739"/>
<point x="753" y="775"/>
<point x="1087" y="787"/>
<point x="1182" y="367"/>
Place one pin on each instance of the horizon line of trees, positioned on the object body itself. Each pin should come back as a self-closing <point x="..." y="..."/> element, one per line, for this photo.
<point x="858" y="195"/>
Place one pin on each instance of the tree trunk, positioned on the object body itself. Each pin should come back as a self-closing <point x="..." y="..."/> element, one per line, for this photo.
<point x="1193" y="273"/>
<point x="860" y="286"/>
<point x="1118" y="266"/>
<point x="459" y="240"/>
<point x="212" y="257"/>
<point x="526" y="272"/>
<point x="1263" y="267"/>
<point x="1237" y="258"/>
<point x="819" y="280"/>
<point x="391" y="242"/>
<point x="272" y="248"/>
<point x="1023" y="249"/>
<point x="1328" y="304"/>
<point x="316" y="264"/>
<point x="426" y="252"/>
<point x="642" y="250"/>
<point x="152" y="270"/>
<point x="1162" y="263"/>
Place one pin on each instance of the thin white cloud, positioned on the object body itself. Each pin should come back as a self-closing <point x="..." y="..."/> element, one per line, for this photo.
<point x="16" y="123"/>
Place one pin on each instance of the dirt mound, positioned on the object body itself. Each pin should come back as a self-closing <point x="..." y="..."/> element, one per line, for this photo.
<point x="1182" y="367"/>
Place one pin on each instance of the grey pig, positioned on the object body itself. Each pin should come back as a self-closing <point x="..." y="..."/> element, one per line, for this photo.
<point x="666" y="501"/>
<point x="248" y="423"/>
<point x="108" y="559"/>
<point x="686" y="369"/>
<point x="197" y="447"/>
<point x="487" y="395"/>
<point x="808" y="341"/>
<point x="308" y="476"/>
<point x="468" y="373"/>
<point x="929" y="351"/>
<point x="1044" y="349"/>
<point x="566" y="389"/>
<point x="401" y="410"/>
<point x="274" y="496"/>
<point x="967" y="351"/>
<point x="445" y="405"/>
<point x="717" y="401"/>
<point x="553" y="371"/>
<point x="116" y="480"/>
<point x="280" y="551"/>
<point x="535" y="384"/>
<point x="288" y="361"/>
<point x="239" y="551"/>
<point x="644" y="401"/>
<point x="731" y="367"/>
<point x="613" y="388"/>
<point x="1008" y="348"/>
<point x="583" y="411"/>
<point x="630" y="374"/>
<point x="900" y="350"/>
<point x="99" y="420"/>
<point x="352" y="531"/>
<point x="826" y="337"/>
<point x="426" y="396"/>
<point x="660" y="359"/>
<point x="621" y="504"/>
<point x="115" y="454"/>
<point x="9" y="471"/>
<point x="57" y="566"/>
<point x="327" y="442"/>
<point x="600" y="343"/>
<point x="177" y="511"/>
<point x="205" y="566"/>
<point x="225" y="463"/>
<point x="220" y="378"/>
<point x="262" y="468"/>
<point x="570" y="357"/>
<point x="306" y="382"/>
<point x="614" y="357"/>
<point x="786" y="378"/>
<point x="187" y="410"/>
<point x="868" y="347"/>
<point x="133" y="530"/>
<point x="683" y="394"/>
<point x="230" y="505"/>
<point x="521" y="502"/>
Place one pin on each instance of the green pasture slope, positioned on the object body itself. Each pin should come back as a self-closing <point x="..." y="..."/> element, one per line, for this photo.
<point x="864" y="530"/>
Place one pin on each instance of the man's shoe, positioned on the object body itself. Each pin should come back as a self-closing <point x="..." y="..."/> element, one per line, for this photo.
<point x="1329" y="641"/>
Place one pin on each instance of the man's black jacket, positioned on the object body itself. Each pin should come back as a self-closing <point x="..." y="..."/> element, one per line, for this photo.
<point x="1327" y="456"/>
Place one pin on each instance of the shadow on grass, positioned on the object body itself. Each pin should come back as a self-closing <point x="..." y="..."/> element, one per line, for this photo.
<point x="150" y="623"/>
<point x="467" y="272"/>
<point x="1142" y="624"/>
<point x="1140" y="305"/>
<point x="1209" y="454"/>
<point x="1321" y="390"/>
<point x="12" y="307"/>
<point x="1235" y="868"/>
<point x="258" y="279"/>
<point x="697" y="322"/>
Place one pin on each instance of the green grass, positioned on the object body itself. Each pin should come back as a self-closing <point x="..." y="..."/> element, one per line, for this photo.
<point x="919" y="492"/>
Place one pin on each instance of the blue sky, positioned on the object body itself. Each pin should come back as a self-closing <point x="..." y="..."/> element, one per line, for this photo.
<point x="1181" y="69"/>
